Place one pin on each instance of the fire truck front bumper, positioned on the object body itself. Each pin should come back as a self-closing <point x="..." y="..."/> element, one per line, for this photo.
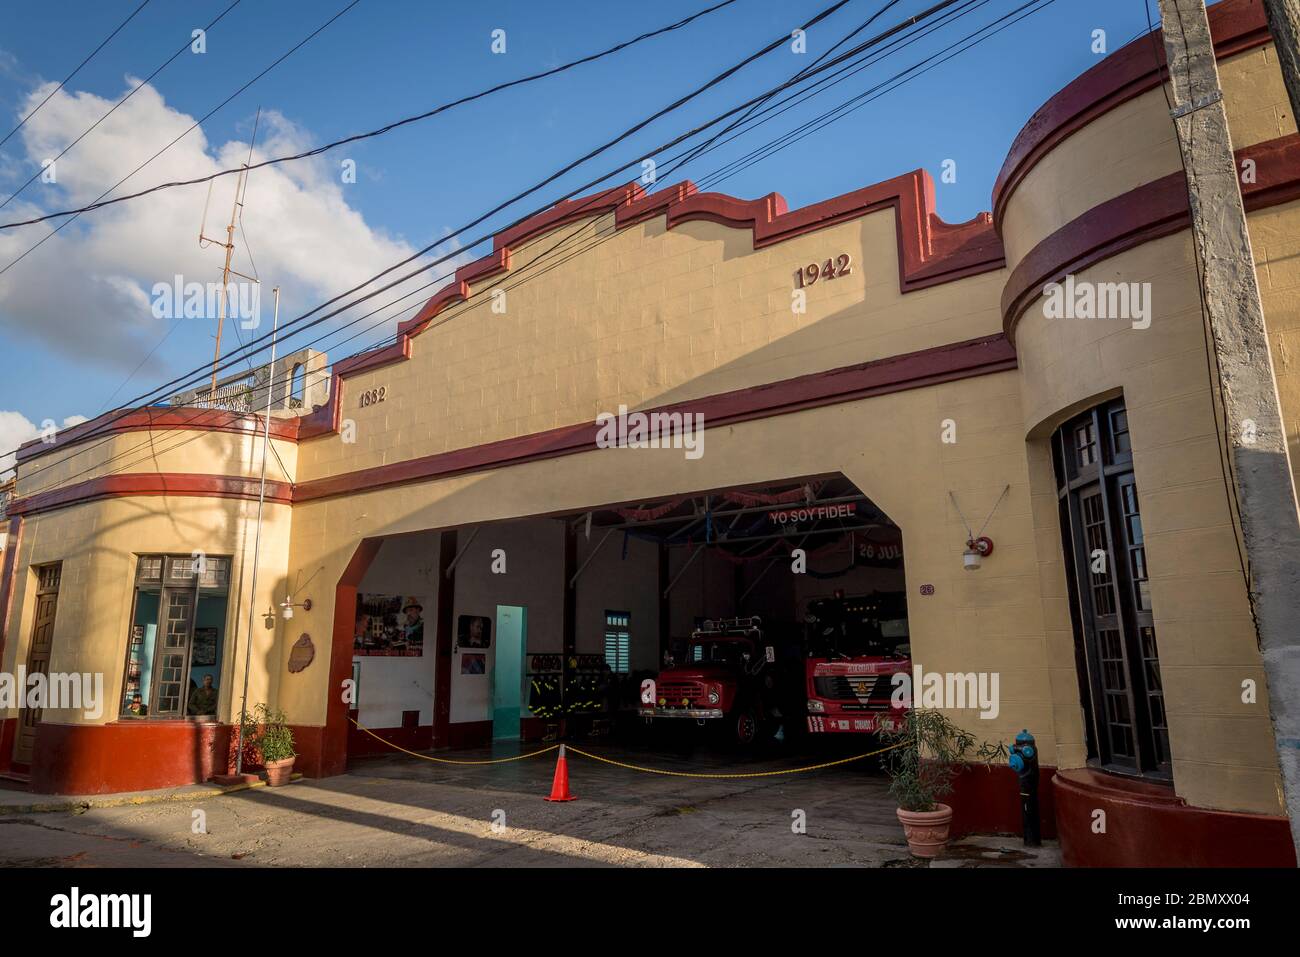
<point x="699" y="714"/>
<point x="859" y="724"/>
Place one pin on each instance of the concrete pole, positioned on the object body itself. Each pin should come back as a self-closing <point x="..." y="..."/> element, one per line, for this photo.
<point x="1257" y="450"/>
<point x="1284" y="24"/>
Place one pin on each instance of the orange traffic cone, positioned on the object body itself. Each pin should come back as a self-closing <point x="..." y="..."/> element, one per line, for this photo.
<point x="560" y="786"/>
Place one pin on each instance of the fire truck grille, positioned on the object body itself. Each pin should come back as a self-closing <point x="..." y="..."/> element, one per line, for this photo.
<point x="868" y="691"/>
<point x="674" y="691"/>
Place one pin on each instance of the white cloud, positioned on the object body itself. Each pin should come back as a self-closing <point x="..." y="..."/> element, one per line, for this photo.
<point x="16" y="428"/>
<point x="86" y="292"/>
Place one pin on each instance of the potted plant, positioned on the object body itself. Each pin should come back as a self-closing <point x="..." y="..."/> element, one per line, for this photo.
<point x="274" y="740"/>
<point x="929" y="754"/>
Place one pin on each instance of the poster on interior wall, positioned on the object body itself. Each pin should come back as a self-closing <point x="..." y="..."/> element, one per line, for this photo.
<point x="388" y="626"/>
<point x="474" y="631"/>
<point x="204" y="654"/>
<point x="473" y="664"/>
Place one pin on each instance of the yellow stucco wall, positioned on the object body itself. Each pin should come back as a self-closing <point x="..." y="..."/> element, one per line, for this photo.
<point x="889" y="446"/>
<point x="98" y="544"/>
<point x="649" y="316"/>
<point x="176" y="450"/>
<point x="1134" y="144"/>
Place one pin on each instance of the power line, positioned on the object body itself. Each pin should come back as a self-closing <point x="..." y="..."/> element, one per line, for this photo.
<point x="112" y="109"/>
<point x="685" y="157"/>
<point x="502" y="86"/>
<point x="383" y="129"/>
<point x="284" y="56"/>
<point x="182" y="381"/>
<point x="64" y="81"/>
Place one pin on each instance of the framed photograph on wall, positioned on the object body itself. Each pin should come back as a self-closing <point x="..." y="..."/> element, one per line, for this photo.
<point x="475" y="664"/>
<point x="474" y="631"/>
<point x="388" y="626"/>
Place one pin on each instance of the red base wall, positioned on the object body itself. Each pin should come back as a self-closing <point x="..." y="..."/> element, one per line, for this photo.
<point x="412" y="739"/>
<point x="986" y="800"/>
<point x="126" y="756"/>
<point x="8" y="732"/>
<point x="1148" y="826"/>
<point x="469" y="734"/>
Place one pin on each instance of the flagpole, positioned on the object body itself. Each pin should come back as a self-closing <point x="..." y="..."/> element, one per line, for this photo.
<point x="257" y="538"/>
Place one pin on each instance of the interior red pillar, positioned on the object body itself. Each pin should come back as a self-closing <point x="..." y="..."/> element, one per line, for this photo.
<point x="443" y="640"/>
<point x="334" y="739"/>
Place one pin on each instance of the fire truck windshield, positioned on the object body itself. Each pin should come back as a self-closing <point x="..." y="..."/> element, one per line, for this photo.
<point x="720" y="651"/>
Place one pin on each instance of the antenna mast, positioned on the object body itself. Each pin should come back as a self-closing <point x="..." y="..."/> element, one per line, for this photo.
<point x="236" y="212"/>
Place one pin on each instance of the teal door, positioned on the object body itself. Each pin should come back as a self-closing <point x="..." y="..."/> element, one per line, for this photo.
<point x="508" y="671"/>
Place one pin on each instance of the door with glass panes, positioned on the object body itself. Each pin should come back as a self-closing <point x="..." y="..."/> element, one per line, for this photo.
<point x="1101" y="526"/>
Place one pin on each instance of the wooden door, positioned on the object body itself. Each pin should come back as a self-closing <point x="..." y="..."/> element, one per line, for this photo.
<point x="38" y="656"/>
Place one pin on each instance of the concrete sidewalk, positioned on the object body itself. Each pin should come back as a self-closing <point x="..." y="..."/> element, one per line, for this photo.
<point x="16" y="801"/>
<point x="399" y="810"/>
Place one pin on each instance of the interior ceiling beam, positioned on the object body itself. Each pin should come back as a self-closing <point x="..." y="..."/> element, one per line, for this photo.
<point x="723" y="513"/>
<point x="782" y="534"/>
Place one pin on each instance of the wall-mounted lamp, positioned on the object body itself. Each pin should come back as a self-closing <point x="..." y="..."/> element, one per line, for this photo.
<point x="978" y="545"/>
<point x="288" y="605"/>
<point x="976" y="549"/>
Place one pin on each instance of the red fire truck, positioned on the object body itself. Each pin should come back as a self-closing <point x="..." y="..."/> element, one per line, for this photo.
<point x="729" y="678"/>
<point x="853" y="646"/>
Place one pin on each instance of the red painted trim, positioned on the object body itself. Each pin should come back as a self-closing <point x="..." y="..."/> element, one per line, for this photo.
<point x="151" y="483"/>
<point x="8" y="578"/>
<point x="126" y="756"/>
<point x="1148" y="826"/>
<point x="930" y="251"/>
<point x="1235" y="25"/>
<point x="911" y="371"/>
<point x="8" y="734"/>
<point x="334" y="736"/>
<point x="157" y="419"/>
<point x="1150" y="211"/>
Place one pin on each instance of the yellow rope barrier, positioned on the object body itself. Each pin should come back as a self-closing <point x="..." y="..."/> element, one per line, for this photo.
<point x="634" y="767"/>
<point x="747" y="774"/>
<point x="428" y="757"/>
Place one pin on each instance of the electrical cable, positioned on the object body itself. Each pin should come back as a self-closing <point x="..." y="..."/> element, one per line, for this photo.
<point x="447" y="318"/>
<point x="66" y="79"/>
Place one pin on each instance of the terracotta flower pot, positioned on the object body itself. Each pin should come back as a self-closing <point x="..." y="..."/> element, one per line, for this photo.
<point x="927" y="831"/>
<point x="279" y="772"/>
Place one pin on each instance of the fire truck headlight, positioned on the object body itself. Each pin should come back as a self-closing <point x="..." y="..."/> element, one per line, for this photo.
<point x="815" y="705"/>
<point x="714" y="696"/>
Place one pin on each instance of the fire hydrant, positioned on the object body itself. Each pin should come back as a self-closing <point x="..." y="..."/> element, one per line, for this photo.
<point x="1024" y="761"/>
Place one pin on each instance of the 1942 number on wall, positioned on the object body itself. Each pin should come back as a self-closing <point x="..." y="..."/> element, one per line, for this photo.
<point x="841" y="265"/>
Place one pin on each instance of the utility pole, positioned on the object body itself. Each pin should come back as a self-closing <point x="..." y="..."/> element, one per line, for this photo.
<point x="1257" y="450"/>
<point x="236" y="214"/>
<point x="257" y="541"/>
<point x="1284" y="24"/>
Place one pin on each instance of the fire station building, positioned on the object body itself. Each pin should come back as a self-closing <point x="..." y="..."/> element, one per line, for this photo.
<point x="450" y="545"/>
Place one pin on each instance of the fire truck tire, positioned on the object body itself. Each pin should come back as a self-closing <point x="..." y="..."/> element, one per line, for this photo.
<point x="746" y="726"/>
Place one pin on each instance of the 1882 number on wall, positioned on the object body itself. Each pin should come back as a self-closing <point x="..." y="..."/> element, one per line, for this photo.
<point x="372" y="396"/>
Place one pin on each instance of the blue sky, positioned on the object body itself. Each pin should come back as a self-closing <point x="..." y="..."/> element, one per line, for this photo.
<point x="388" y="58"/>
